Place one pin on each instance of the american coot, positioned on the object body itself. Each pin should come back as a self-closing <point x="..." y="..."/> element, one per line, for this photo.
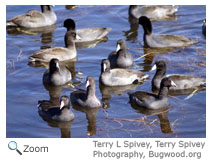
<point x="161" y="40"/>
<point x="204" y="27"/>
<point x="86" y="36"/>
<point x="56" y="74"/>
<point x="182" y="81"/>
<point x="152" y="12"/>
<point x="86" y="99"/>
<point x="34" y="18"/>
<point x="122" y="58"/>
<point x="153" y="101"/>
<point x="61" y="53"/>
<point x="62" y="113"/>
<point x="119" y="77"/>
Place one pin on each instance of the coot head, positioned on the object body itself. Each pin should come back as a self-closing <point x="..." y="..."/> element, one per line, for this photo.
<point x="64" y="102"/>
<point x="69" y="24"/>
<point x="120" y="45"/>
<point x="159" y="65"/>
<point x="105" y="65"/>
<point x="53" y="64"/>
<point x="146" y="23"/>
<point x="166" y="82"/>
<point x="90" y="81"/>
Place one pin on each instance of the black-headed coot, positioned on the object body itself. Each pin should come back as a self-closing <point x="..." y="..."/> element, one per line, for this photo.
<point x="153" y="40"/>
<point x="86" y="34"/>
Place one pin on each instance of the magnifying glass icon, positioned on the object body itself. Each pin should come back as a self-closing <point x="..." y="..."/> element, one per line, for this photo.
<point x="13" y="146"/>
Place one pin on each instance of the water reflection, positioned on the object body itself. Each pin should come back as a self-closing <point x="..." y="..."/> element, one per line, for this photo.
<point x="162" y="115"/>
<point x="190" y="91"/>
<point x="132" y="33"/>
<point x="46" y="38"/>
<point x="49" y="30"/>
<point x="89" y="44"/>
<point x="91" y="114"/>
<point x="54" y="93"/>
<point x="107" y="92"/>
<point x="65" y="127"/>
<point x="149" y="55"/>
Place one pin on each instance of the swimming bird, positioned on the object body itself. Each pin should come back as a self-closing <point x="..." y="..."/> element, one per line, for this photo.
<point x="183" y="82"/>
<point x="121" y="58"/>
<point x="119" y="77"/>
<point x="152" y="12"/>
<point x="86" y="98"/>
<point x="61" y="53"/>
<point x="152" y="101"/>
<point x="153" y="40"/>
<point x="61" y="114"/>
<point x="34" y="18"/>
<point x="56" y="74"/>
<point x="86" y="36"/>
